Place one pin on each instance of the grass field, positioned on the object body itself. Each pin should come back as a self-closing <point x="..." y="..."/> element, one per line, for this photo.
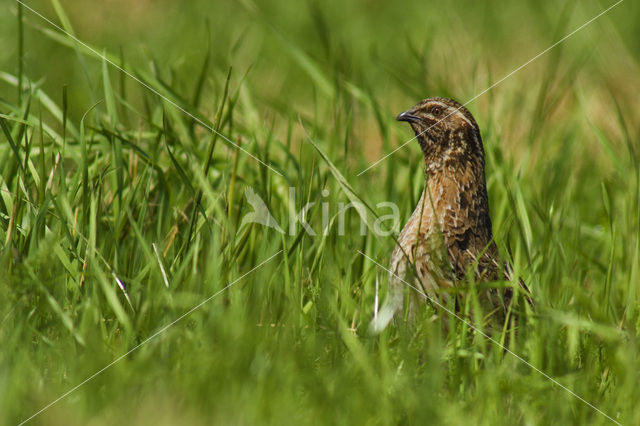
<point x="121" y="209"/>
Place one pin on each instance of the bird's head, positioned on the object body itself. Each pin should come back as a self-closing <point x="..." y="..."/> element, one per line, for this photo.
<point x="446" y="131"/>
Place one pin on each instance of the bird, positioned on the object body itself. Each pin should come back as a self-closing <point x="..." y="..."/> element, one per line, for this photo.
<point x="449" y="234"/>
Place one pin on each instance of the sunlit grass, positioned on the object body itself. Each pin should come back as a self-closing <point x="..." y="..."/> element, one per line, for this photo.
<point x="103" y="183"/>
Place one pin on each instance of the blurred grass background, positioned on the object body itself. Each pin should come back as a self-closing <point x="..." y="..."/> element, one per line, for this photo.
<point x="102" y="182"/>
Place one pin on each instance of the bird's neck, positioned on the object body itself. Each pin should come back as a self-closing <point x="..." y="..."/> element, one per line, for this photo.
<point x="460" y="167"/>
<point x="457" y="193"/>
<point x="454" y="152"/>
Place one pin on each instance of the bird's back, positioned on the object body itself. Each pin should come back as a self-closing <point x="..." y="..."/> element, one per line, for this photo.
<point x="448" y="231"/>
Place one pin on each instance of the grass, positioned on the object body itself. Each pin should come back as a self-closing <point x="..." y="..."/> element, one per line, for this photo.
<point x="119" y="213"/>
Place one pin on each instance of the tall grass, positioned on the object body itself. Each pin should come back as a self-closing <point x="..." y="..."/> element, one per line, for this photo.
<point x="119" y="213"/>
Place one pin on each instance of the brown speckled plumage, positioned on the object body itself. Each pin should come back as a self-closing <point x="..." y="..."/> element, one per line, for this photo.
<point x="449" y="232"/>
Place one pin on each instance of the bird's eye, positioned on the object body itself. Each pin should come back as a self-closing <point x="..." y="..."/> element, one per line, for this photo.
<point x="436" y="111"/>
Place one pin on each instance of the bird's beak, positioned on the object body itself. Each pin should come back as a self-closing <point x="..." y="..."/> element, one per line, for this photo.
<point x="408" y="116"/>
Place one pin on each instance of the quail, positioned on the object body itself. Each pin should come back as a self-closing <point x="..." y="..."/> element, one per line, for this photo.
<point x="449" y="233"/>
